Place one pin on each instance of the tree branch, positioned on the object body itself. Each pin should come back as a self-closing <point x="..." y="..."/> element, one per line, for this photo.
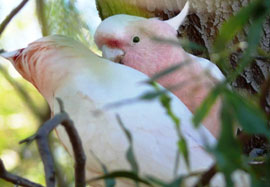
<point x="42" y="140"/>
<point x="207" y="176"/>
<point x="11" y="15"/>
<point x="14" y="178"/>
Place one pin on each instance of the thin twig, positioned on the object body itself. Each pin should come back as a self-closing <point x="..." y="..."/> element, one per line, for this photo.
<point x="42" y="140"/>
<point x="11" y="15"/>
<point x="14" y="178"/>
<point x="207" y="176"/>
<point x="80" y="158"/>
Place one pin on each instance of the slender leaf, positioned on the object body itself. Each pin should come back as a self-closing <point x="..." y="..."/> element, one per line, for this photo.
<point x="235" y="24"/>
<point x="167" y="71"/>
<point x="227" y="151"/>
<point x="249" y="116"/>
<point x="156" y="181"/>
<point x="182" y="145"/>
<point x="206" y="105"/>
<point x="165" y="100"/>
<point x="109" y="182"/>
<point x="123" y="174"/>
<point x="176" y="183"/>
<point x="153" y="94"/>
<point x="130" y="153"/>
<point x="254" y="35"/>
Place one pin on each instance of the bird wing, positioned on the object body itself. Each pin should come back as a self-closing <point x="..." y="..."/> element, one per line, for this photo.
<point x="87" y="85"/>
<point x="210" y="66"/>
<point x="153" y="132"/>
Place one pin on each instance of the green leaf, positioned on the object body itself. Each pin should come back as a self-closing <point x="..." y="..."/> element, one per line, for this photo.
<point x="167" y="71"/>
<point x="255" y="182"/>
<point x="111" y="7"/>
<point x="130" y="153"/>
<point x="256" y="12"/>
<point x="156" y="181"/>
<point x="182" y="145"/>
<point x="122" y="174"/>
<point x="254" y="37"/>
<point x="153" y="94"/>
<point x="62" y="17"/>
<point x="260" y="175"/>
<point x="206" y="105"/>
<point x="109" y="182"/>
<point x="235" y="24"/>
<point x="249" y="116"/>
<point x="165" y="101"/>
<point x="227" y="151"/>
<point x="176" y="183"/>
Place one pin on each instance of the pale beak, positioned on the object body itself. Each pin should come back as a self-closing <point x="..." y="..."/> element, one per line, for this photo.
<point x="112" y="54"/>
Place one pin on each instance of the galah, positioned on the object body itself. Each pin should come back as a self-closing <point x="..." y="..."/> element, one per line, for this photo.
<point x="129" y="40"/>
<point x="60" y="67"/>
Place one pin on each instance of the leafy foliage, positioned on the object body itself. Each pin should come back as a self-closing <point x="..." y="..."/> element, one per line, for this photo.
<point x="111" y="7"/>
<point x="62" y="17"/>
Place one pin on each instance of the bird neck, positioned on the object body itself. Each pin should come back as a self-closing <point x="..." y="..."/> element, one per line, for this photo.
<point x="187" y="81"/>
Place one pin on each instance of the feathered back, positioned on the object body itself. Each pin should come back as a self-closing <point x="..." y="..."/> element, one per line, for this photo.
<point x="46" y="63"/>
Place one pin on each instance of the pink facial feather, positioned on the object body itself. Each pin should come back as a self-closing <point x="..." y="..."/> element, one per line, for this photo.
<point x="151" y="57"/>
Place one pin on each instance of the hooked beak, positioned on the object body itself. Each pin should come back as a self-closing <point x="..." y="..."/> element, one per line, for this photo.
<point x="113" y="54"/>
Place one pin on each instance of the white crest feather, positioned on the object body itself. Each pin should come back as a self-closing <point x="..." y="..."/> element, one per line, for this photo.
<point x="176" y="21"/>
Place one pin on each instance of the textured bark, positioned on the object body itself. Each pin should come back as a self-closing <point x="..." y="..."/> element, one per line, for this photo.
<point x="202" y="26"/>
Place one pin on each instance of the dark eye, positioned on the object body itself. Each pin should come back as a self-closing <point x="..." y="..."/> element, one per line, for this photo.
<point x="136" y="39"/>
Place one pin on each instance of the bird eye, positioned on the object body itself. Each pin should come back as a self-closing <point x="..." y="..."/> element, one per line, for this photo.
<point x="136" y="39"/>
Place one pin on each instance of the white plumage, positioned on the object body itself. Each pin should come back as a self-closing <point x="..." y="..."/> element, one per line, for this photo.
<point x="61" y="67"/>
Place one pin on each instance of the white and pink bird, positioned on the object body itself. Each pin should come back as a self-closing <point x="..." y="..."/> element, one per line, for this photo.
<point x="60" y="67"/>
<point x="129" y="40"/>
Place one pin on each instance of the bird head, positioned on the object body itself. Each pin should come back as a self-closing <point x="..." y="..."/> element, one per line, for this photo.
<point x="130" y="40"/>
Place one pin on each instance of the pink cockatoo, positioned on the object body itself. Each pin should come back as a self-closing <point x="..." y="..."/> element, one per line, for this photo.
<point x="129" y="40"/>
<point x="60" y="67"/>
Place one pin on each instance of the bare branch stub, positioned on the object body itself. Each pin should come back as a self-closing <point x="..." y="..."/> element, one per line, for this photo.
<point x="207" y="176"/>
<point x="265" y="90"/>
<point x="14" y="178"/>
<point x="43" y="145"/>
<point x="11" y="15"/>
